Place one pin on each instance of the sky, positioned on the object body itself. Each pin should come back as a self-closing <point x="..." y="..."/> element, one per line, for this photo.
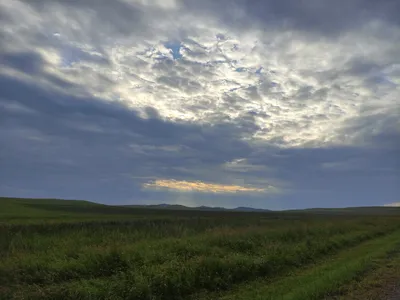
<point x="262" y="103"/>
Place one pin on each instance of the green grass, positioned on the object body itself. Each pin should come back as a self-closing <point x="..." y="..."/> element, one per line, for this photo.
<point x="381" y="280"/>
<point x="58" y="249"/>
<point x="322" y="279"/>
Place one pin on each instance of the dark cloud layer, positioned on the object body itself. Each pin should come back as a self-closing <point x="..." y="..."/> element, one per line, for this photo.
<point x="84" y="139"/>
<point x="315" y="16"/>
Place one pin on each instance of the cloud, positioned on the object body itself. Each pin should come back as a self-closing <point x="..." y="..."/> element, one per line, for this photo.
<point x="198" y="186"/>
<point x="101" y="97"/>
<point x="320" y="17"/>
<point x="394" y="204"/>
<point x="294" y="88"/>
<point x="98" y="141"/>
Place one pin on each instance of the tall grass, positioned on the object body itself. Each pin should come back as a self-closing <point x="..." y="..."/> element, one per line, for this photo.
<point x="166" y="255"/>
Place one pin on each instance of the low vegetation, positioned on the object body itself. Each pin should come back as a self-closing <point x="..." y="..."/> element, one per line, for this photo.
<point x="58" y="249"/>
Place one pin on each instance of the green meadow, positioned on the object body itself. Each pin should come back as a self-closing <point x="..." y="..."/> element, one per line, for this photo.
<point x="61" y="249"/>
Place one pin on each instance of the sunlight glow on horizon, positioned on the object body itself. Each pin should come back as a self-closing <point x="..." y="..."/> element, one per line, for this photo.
<point x="199" y="186"/>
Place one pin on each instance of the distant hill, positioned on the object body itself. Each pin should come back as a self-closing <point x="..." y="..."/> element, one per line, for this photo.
<point x="244" y="208"/>
<point x="362" y="210"/>
<point x="18" y="208"/>
<point x="203" y="208"/>
<point x="22" y="209"/>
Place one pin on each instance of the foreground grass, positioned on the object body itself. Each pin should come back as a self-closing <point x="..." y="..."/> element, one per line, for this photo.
<point x="67" y="250"/>
<point x="380" y="281"/>
<point x="323" y="279"/>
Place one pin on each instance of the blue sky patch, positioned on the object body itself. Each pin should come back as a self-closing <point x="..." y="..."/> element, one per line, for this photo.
<point x="175" y="48"/>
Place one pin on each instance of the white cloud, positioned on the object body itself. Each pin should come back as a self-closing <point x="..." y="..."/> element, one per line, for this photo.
<point x="297" y="89"/>
<point x="394" y="204"/>
<point x="242" y="166"/>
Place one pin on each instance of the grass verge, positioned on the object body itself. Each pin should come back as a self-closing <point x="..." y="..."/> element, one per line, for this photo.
<point x="320" y="280"/>
<point x="380" y="281"/>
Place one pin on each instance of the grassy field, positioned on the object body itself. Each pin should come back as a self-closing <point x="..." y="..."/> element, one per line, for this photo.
<point x="58" y="249"/>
